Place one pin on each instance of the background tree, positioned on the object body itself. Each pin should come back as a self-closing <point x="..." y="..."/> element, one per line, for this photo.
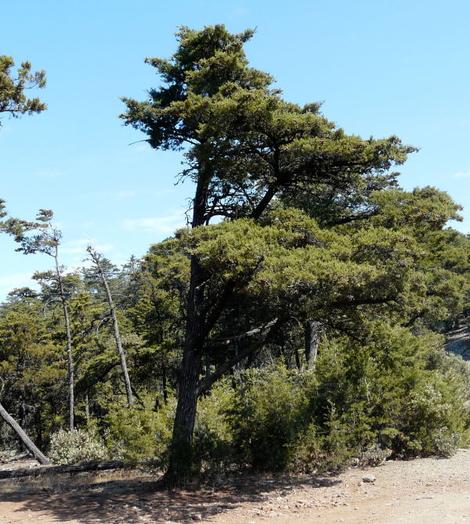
<point x="47" y="241"/>
<point x="103" y="266"/>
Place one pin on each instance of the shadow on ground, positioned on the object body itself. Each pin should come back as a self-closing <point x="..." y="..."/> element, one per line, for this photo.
<point x="128" y="501"/>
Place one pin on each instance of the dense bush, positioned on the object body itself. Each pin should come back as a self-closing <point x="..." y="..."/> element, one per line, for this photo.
<point x="397" y="395"/>
<point x="271" y="409"/>
<point x="395" y="392"/>
<point x="213" y="436"/>
<point x="139" y="434"/>
<point x="78" y="445"/>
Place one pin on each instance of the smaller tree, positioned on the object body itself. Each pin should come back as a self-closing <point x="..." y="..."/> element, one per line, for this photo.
<point x="46" y="239"/>
<point x="102" y="267"/>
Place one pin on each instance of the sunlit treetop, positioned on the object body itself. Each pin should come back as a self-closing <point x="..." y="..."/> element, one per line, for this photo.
<point x="13" y="87"/>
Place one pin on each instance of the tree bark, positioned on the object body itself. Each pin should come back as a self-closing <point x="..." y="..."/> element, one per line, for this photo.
<point x="68" y="468"/>
<point x="117" y="334"/>
<point x="180" y="462"/>
<point x="312" y="341"/>
<point x="164" y="384"/>
<point x="23" y="437"/>
<point x="180" y="468"/>
<point x="87" y="408"/>
<point x="297" y="358"/>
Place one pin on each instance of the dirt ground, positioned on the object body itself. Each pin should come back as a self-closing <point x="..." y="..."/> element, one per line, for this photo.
<point x="424" y="491"/>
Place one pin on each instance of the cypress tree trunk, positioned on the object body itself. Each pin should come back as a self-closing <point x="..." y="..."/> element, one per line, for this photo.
<point x="180" y="465"/>
<point x="297" y="358"/>
<point x="23" y="437"/>
<point x="87" y="408"/>
<point x="180" y="468"/>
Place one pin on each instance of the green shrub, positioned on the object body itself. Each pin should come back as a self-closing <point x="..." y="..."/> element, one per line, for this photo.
<point x="6" y="455"/>
<point x="271" y="410"/>
<point x="317" y="450"/>
<point x="398" y="392"/>
<point x="139" y="434"/>
<point x="433" y="422"/>
<point x="78" y="445"/>
<point x="213" y="438"/>
<point x="397" y="395"/>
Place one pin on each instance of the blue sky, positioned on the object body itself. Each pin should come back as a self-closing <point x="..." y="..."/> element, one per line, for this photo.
<point x="381" y="67"/>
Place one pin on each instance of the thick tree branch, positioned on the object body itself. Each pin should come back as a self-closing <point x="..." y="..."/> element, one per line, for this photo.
<point x="206" y="383"/>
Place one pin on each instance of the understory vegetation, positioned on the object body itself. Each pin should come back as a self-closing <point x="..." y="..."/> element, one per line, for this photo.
<point x="379" y="390"/>
<point x="297" y="324"/>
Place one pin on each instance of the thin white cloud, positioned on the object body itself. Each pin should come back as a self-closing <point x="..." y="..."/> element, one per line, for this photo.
<point x="462" y="174"/>
<point x="48" y="173"/>
<point x="142" y="147"/>
<point x="74" y="226"/>
<point x="126" y="194"/>
<point x="161" y="225"/>
<point x="240" y="11"/>
<point x="86" y="224"/>
<point x="15" y="280"/>
<point x="78" y="247"/>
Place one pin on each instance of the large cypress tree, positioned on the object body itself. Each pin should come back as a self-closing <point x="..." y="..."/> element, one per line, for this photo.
<point x="245" y="146"/>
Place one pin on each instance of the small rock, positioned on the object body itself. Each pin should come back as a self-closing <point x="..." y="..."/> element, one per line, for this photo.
<point x="196" y="516"/>
<point x="369" y="478"/>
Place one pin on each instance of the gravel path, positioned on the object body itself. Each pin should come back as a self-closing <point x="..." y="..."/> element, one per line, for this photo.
<point x="425" y="491"/>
